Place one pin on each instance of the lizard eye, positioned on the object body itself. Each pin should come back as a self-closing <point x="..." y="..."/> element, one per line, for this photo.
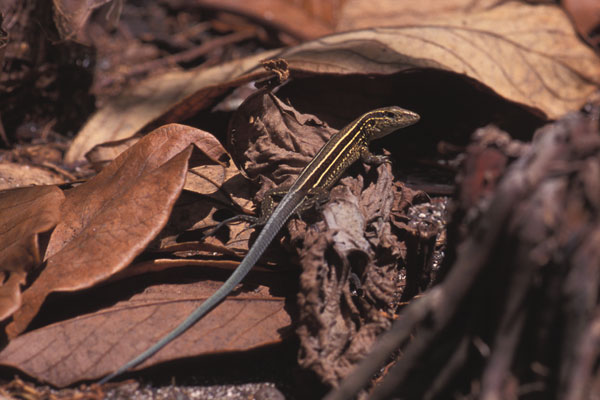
<point x="390" y="115"/>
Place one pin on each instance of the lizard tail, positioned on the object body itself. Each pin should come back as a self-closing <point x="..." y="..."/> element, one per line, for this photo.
<point x="280" y="215"/>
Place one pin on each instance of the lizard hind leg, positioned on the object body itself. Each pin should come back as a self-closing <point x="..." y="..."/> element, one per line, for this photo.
<point x="266" y="209"/>
<point x="237" y="218"/>
<point x="268" y="204"/>
<point x="316" y="197"/>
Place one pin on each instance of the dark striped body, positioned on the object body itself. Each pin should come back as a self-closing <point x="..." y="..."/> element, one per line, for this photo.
<point x="342" y="149"/>
<point x="348" y="145"/>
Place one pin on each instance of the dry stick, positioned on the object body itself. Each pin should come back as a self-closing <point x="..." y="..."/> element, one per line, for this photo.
<point x="522" y="178"/>
<point x="587" y="353"/>
<point x="582" y="339"/>
<point x="452" y="366"/>
<point x="498" y="367"/>
<point x="513" y="317"/>
<point x="471" y="261"/>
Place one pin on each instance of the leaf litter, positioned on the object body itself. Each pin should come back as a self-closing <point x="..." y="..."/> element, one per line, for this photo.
<point x="138" y="205"/>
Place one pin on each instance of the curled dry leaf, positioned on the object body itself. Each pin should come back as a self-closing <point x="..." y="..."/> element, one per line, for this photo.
<point x="270" y="138"/>
<point x="24" y="214"/>
<point x="91" y="346"/>
<point x="539" y="61"/>
<point x="223" y="183"/>
<point x="110" y="219"/>
<point x="154" y="98"/>
<point x="337" y="326"/>
<point x="219" y="183"/>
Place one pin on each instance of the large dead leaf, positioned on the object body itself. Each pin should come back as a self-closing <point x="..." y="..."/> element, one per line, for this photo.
<point x="544" y="65"/>
<point x="216" y="179"/>
<point x="24" y="214"/>
<point x="110" y="219"/>
<point x="91" y="346"/>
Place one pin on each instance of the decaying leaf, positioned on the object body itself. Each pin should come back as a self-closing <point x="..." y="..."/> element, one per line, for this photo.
<point x="110" y="219"/>
<point x="543" y="66"/>
<point x="212" y="184"/>
<point x="350" y="283"/>
<point x="273" y="140"/>
<point x="90" y="346"/>
<point x="13" y="175"/>
<point x="155" y="97"/>
<point x="24" y="214"/>
<point x="220" y="180"/>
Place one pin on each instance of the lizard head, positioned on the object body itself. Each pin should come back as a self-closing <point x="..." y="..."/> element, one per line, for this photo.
<point x="383" y="121"/>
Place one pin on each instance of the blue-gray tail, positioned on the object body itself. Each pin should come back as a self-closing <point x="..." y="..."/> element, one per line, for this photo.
<point x="280" y="215"/>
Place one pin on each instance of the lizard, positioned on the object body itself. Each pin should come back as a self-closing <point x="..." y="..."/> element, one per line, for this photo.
<point x="343" y="149"/>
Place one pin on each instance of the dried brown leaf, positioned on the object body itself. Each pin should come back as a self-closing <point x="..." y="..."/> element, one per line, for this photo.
<point x="270" y="138"/>
<point x="222" y="183"/>
<point x="538" y="61"/>
<point x="104" y="153"/>
<point x="24" y="214"/>
<point x="287" y="17"/>
<point x="155" y="97"/>
<point x="110" y="219"/>
<point x="90" y="346"/>
<point x="360" y="14"/>
<point x="184" y="235"/>
<point x="337" y="328"/>
<point x="13" y="175"/>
